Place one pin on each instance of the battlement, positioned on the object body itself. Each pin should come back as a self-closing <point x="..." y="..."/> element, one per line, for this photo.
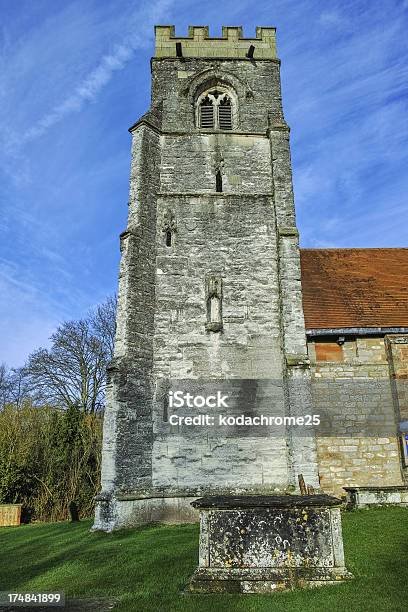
<point x="231" y="44"/>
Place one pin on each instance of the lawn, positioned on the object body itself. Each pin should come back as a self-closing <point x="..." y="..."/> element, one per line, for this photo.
<point x="147" y="568"/>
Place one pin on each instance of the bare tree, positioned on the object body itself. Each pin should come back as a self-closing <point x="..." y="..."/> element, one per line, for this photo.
<point x="4" y="385"/>
<point x="103" y="321"/>
<point x="19" y="386"/>
<point x="13" y="386"/>
<point x="72" y="371"/>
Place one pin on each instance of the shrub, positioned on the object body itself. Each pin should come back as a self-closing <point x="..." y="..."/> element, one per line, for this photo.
<point x="48" y="458"/>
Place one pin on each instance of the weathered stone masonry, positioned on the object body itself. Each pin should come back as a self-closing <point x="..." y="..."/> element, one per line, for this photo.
<point x="356" y="312"/>
<point x="184" y="235"/>
<point x="210" y="288"/>
<point x="355" y="386"/>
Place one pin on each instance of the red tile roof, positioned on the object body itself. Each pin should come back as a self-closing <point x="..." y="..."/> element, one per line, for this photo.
<point x="345" y="288"/>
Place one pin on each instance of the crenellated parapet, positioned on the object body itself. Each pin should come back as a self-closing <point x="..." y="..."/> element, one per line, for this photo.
<point x="231" y="44"/>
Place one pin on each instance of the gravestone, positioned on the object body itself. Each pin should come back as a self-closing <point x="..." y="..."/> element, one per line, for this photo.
<point x="73" y="512"/>
<point x="262" y="544"/>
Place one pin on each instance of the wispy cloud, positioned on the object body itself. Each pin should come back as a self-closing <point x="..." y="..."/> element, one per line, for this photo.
<point x="91" y="85"/>
<point x="75" y="75"/>
<point x="86" y="91"/>
<point x="138" y="37"/>
<point x="346" y="104"/>
<point x="332" y="18"/>
<point x="46" y="76"/>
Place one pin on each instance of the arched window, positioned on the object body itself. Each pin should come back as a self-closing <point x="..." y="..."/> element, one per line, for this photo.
<point x="215" y="109"/>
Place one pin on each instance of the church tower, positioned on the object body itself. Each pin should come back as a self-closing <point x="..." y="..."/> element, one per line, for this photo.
<point x="209" y="286"/>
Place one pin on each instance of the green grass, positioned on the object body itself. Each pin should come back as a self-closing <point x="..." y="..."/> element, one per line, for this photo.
<point x="147" y="568"/>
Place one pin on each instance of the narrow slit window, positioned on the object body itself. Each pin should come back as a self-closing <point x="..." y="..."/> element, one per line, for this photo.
<point x="218" y="182"/>
<point x="168" y="238"/>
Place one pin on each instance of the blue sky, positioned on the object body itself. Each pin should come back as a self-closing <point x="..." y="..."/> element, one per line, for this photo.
<point x="74" y="75"/>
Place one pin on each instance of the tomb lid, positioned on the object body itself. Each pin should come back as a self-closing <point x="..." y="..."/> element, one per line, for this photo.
<point x="265" y="501"/>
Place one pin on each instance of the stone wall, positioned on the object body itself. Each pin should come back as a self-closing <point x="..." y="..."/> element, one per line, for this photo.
<point x="231" y="237"/>
<point x="176" y="83"/>
<point x="352" y="382"/>
<point x="127" y="440"/>
<point x="397" y="354"/>
<point x="230" y="44"/>
<point x="184" y="243"/>
<point x="189" y="161"/>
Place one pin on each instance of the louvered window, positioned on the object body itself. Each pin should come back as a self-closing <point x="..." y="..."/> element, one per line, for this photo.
<point x="215" y="110"/>
<point x="206" y="114"/>
<point x="225" y="114"/>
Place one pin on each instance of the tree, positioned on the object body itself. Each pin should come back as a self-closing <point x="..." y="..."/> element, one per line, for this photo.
<point x="72" y="371"/>
<point x="19" y="387"/>
<point x="48" y="458"/>
<point x="4" y="385"/>
<point x="13" y="386"/>
<point x="103" y="321"/>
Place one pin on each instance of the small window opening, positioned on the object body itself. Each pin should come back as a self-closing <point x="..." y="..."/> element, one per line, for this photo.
<point x="215" y="111"/>
<point x="207" y="113"/>
<point x="168" y="238"/>
<point x="218" y="182"/>
<point x="225" y="114"/>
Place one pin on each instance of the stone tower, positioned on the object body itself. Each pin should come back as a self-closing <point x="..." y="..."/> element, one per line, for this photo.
<point x="209" y="284"/>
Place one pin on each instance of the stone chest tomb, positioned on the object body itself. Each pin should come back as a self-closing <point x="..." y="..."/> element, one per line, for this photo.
<point x="264" y="544"/>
